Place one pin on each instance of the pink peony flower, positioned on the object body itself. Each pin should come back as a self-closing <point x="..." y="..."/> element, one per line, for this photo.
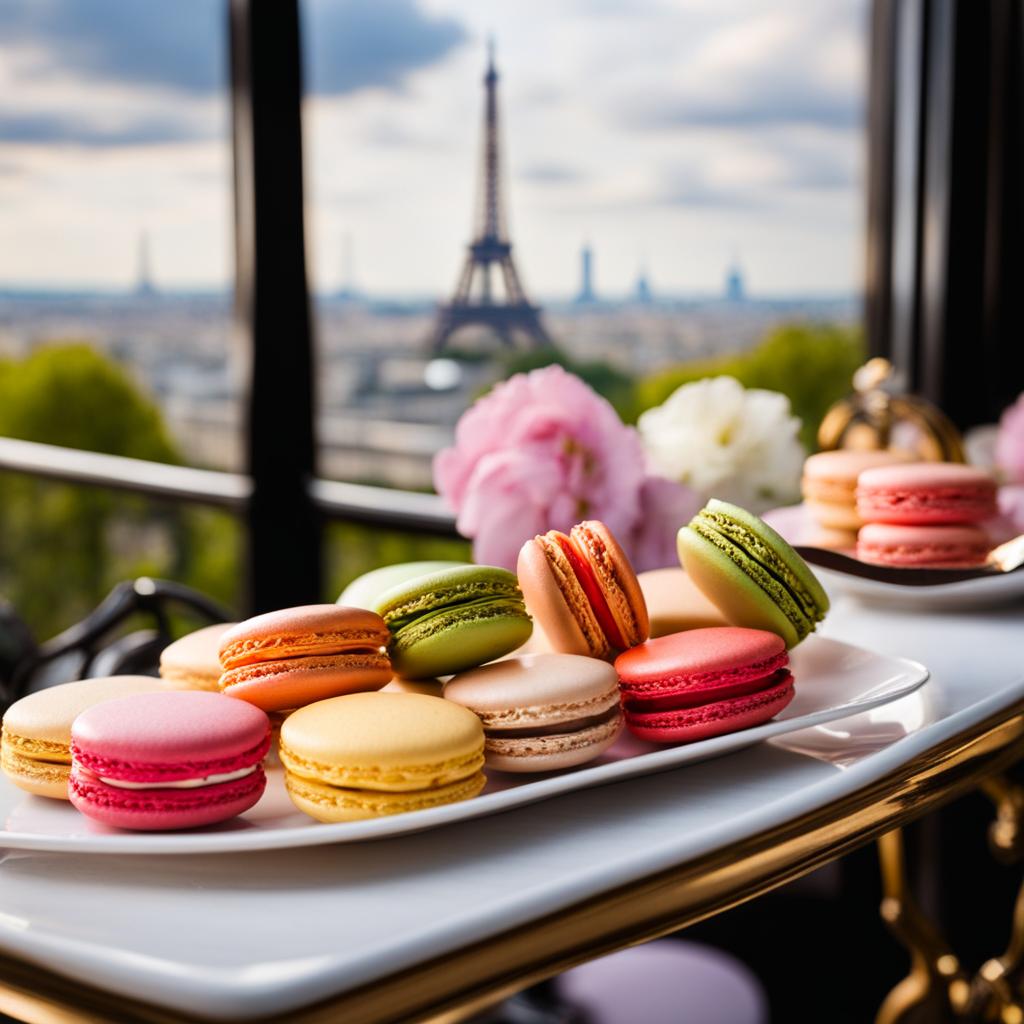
<point x="1010" y="442"/>
<point x="542" y="451"/>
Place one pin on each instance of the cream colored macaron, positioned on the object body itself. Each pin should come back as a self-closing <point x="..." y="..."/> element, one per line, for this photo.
<point x="675" y="603"/>
<point x="192" y="662"/>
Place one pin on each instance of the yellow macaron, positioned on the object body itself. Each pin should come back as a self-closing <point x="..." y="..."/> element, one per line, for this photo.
<point x="35" y="745"/>
<point x="365" y="755"/>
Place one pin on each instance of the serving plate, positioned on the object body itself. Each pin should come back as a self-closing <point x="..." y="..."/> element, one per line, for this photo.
<point x="834" y="680"/>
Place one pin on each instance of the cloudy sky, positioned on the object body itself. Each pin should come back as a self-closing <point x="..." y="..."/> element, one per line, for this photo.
<point x="671" y="134"/>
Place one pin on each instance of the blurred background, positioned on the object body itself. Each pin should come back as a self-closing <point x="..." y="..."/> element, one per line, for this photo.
<point x="683" y="190"/>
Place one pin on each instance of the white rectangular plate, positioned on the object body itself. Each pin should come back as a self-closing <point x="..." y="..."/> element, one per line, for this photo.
<point x="833" y="680"/>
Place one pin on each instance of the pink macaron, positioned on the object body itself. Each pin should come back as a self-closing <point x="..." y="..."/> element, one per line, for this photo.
<point x="179" y="759"/>
<point x="926" y="494"/>
<point x="704" y="682"/>
<point x="922" y="546"/>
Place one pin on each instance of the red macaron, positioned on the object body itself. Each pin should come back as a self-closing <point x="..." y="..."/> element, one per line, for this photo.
<point x="926" y="494"/>
<point x="704" y="682"/>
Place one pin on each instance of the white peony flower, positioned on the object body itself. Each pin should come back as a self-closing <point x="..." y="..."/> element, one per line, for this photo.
<point x="727" y="442"/>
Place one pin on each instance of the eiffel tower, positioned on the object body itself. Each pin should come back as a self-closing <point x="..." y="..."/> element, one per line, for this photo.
<point x="474" y="302"/>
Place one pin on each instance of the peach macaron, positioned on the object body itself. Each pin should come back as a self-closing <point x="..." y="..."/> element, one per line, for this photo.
<point x="290" y="658"/>
<point x="582" y="590"/>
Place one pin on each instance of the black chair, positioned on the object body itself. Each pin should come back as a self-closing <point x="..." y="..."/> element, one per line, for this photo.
<point x="98" y="645"/>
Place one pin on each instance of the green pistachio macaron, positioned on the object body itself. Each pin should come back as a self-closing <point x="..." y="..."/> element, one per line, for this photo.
<point x="453" y="619"/>
<point x="365" y="589"/>
<point x="754" y="577"/>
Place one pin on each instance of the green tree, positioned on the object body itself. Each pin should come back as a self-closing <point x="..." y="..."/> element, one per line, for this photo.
<point x="61" y="546"/>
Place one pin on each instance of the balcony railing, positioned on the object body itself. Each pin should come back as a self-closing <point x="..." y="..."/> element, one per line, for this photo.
<point x="332" y="499"/>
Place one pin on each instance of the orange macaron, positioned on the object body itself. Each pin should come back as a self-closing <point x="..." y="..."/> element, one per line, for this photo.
<point x="583" y="591"/>
<point x="293" y="657"/>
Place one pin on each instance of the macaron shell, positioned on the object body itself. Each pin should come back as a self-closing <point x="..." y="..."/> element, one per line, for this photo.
<point x="557" y="602"/>
<point x="923" y="546"/>
<point x="687" y="725"/>
<point x="171" y="736"/>
<point x="742" y="601"/>
<point x="192" y="662"/>
<point x="41" y="778"/>
<point x="700" y="666"/>
<point x="295" y="682"/>
<point x="552" y="752"/>
<point x="675" y="603"/>
<point x="162" y="809"/>
<point x="335" y="804"/>
<point x="834" y="515"/>
<point x="926" y="493"/>
<point x="363" y="591"/>
<point x="617" y="578"/>
<point x="306" y="631"/>
<point x="389" y="742"/>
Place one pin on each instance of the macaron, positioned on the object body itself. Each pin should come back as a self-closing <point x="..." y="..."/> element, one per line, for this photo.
<point x="373" y="754"/>
<point x="35" y="749"/>
<point x="926" y="494"/>
<point x="829" y="483"/>
<point x="177" y="759"/>
<point x="583" y="591"/>
<point x="923" y="546"/>
<point x="192" y="662"/>
<point x="542" y="711"/>
<point x="430" y="687"/>
<point x="285" y="659"/>
<point x="453" y="619"/>
<point x="754" y="577"/>
<point x="675" y="603"/>
<point x="365" y="589"/>
<point x="703" y="683"/>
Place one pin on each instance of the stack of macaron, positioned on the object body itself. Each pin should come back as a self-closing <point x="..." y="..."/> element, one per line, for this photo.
<point x="829" y="488"/>
<point x="925" y="515"/>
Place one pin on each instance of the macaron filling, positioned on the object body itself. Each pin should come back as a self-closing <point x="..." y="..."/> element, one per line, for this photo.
<point x="208" y="780"/>
<point x="591" y="588"/>
<point x="556" y="728"/>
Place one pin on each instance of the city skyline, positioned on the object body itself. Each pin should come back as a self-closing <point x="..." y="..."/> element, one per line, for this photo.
<point x="744" y="131"/>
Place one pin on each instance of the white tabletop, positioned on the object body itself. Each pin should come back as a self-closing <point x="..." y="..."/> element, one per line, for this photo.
<point x="232" y="936"/>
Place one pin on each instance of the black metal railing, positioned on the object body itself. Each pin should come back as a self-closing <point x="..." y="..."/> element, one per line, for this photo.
<point x="331" y="499"/>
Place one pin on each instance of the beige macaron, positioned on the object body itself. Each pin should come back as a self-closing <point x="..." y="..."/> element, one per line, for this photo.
<point x="542" y="712"/>
<point x="192" y="663"/>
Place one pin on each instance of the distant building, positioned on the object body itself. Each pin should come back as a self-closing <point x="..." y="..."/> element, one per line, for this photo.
<point x="735" y="288"/>
<point x="347" y="292"/>
<point x="586" y="293"/>
<point x="144" y="287"/>
<point x="642" y="289"/>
